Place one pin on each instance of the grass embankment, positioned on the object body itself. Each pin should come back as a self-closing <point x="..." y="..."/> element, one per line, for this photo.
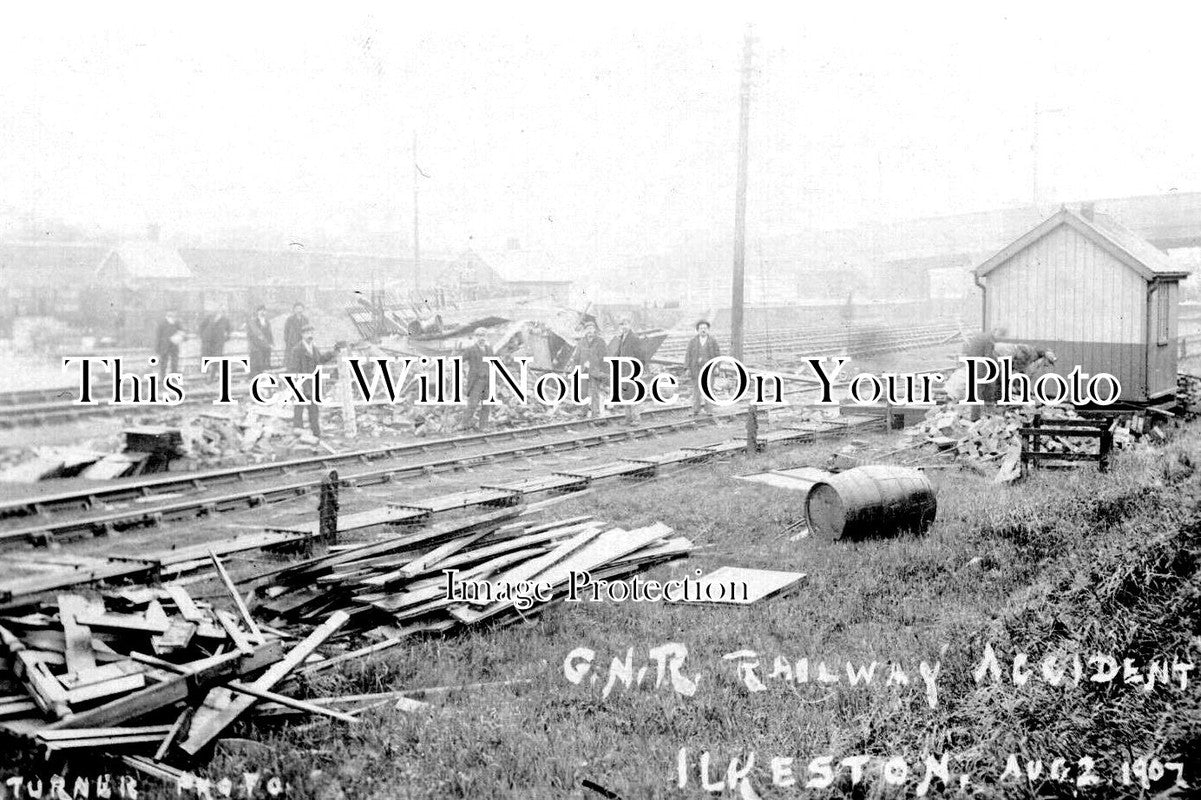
<point x="1072" y="563"/>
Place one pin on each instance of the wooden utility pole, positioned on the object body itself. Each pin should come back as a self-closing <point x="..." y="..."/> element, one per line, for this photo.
<point x="740" y="204"/>
<point x="416" y="218"/>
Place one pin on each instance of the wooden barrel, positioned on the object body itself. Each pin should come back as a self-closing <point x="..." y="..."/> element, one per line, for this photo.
<point x="871" y="501"/>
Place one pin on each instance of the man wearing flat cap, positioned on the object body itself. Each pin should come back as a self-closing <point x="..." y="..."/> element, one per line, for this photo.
<point x="476" y="386"/>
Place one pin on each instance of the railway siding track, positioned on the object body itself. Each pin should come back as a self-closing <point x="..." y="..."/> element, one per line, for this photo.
<point x="148" y="486"/>
<point x="176" y="560"/>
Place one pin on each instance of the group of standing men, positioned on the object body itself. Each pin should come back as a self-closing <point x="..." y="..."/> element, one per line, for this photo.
<point x="301" y="355"/>
<point x="590" y="357"/>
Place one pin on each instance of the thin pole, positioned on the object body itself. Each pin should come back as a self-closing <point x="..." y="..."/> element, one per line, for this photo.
<point x="736" y="301"/>
<point x="416" y="220"/>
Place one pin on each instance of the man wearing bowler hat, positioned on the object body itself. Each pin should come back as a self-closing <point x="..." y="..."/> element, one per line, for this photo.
<point x="701" y="350"/>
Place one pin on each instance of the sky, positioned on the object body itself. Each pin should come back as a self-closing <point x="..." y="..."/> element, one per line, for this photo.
<point x="596" y="137"/>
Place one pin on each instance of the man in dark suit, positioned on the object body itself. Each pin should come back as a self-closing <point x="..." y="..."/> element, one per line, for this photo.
<point x="214" y="333"/>
<point x="630" y="345"/>
<point x="477" y="381"/>
<point x="293" y="333"/>
<point x="259" y="341"/>
<point x="167" y="338"/>
<point x="701" y="350"/>
<point x="589" y="357"/>
<point x="305" y="359"/>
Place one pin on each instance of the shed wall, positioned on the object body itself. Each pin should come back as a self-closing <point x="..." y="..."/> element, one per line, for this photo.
<point x="1067" y="293"/>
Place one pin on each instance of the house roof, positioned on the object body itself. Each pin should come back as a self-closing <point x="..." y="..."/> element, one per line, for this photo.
<point x="149" y="260"/>
<point x="1123" y="244"/>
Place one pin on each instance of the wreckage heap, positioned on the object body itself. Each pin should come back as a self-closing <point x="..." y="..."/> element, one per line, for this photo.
<point x="156" y="676"/>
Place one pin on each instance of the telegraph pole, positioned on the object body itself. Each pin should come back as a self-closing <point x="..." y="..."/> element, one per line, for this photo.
<point x="736" y="300"/>
<point x="416" y="218"/>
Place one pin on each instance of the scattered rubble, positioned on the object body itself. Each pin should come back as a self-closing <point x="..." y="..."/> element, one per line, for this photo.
<point x="994" y="437"/>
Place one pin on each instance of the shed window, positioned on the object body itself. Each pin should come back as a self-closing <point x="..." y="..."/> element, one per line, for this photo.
<point x="1163" y="314"/>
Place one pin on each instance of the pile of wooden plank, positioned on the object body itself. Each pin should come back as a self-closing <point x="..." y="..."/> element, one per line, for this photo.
<point x="403" y="582"/>
<point x="143" y="671"/>
<point x="155" y="676"/>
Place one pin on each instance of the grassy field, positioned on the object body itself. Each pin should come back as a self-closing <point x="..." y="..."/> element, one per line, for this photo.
<point x="1063" y="563"/>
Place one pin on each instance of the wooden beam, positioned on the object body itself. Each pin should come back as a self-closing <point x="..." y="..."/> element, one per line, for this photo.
<point x="319" y="666"/>
<point x="291" y="702"/>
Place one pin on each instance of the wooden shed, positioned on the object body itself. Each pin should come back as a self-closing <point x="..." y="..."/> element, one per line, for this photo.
<point x="1096" y="294"/>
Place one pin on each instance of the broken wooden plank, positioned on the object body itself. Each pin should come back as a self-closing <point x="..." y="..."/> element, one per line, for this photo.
<point x="290" y="702"/>
<point x="78" y="638"/>
<point x="740" y="586"/>
<point x="196" y="676"/>
<point x="178" y="636"/>
<point x="108" y="672"/>
<point x="176" y="726"/>
<point x="123" y="684"/>
<point x="319" y="666"/>
<point x="230" y="624"/>
<point x="184" y="603"/>
<point x="32" y="667"/>
<point x="238" y="603"/>
<point x="121" y="623"/>
<point x="210" y="720"/>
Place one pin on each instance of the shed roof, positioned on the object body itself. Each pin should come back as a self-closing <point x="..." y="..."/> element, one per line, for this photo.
<point x="1122" y="243"/>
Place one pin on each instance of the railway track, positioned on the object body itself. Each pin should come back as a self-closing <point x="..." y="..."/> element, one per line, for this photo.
<point x="32" y="407"/>
<point x="219" y="490"/>
<point x="178" y="558"/>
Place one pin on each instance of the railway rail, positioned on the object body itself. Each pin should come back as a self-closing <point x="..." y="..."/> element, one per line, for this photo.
<point x="246" y="493"/>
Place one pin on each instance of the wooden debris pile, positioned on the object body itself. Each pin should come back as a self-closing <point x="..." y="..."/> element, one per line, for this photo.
<point x="1188" y="395"/>
<point x="403" y="581"/>
<point x="995" y="435"/>
<point x="142" y="671"/>
<point x="252" y="435"/>
<point x="156" y="676"/>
